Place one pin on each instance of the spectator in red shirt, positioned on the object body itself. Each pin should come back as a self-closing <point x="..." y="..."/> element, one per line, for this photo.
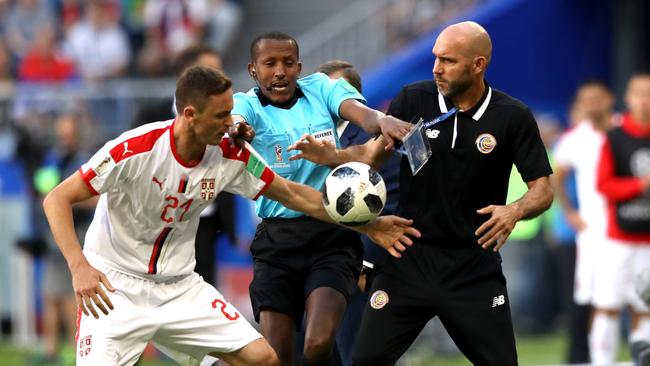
<point x="43" y="62"/>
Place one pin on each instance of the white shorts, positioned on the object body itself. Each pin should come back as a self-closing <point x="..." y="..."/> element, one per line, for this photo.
<point x="617" y="269"/>
<point x="589" y="248"/>
<point x="187" y="319"/>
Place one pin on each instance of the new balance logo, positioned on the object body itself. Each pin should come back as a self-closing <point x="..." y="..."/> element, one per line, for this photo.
<point x="126" y="148"/>
<point x="432" y="134"/>
<point x="498" y="301"/>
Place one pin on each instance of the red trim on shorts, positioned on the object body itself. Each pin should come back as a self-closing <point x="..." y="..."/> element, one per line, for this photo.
<point x="76" y="335"/>
<point x="87" y="177"/>
<point x="155" y="254"/>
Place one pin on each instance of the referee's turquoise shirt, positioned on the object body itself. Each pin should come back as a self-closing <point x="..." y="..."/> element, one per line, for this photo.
<point x="316" y="112"/>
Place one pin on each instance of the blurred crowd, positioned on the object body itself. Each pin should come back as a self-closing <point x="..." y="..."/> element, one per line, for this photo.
<point x="62" y="40"/>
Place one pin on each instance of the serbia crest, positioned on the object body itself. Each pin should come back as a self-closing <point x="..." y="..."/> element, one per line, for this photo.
<point x="207" y="188"/>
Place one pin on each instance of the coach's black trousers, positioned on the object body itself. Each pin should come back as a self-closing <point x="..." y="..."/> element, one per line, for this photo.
<point x="465" y="287"/>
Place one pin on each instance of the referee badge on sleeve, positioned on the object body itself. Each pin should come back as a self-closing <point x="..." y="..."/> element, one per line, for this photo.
<point x="379" y="299"/>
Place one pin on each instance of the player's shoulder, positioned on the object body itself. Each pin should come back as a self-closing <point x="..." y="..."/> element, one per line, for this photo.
<point x="138" y="140"/>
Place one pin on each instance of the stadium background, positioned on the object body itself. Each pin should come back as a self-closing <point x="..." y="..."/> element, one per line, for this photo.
<point x="542" y="50"/>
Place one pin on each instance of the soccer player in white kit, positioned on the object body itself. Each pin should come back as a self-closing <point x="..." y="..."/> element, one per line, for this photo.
<point x="153" y="182"/>
<point x="578" y="150"/>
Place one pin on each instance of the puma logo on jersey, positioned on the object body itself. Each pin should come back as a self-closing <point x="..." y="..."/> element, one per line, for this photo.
<point x="159" y="183"/>
<point x="432" y="134"/>
<point x="126" y="148"/>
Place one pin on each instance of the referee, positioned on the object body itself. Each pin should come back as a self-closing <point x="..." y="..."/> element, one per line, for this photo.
<point x="458" y="203"/>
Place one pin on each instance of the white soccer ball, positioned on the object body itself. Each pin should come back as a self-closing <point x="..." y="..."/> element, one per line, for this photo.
<point x="642" y="285"/>
<point x="354" y="194"/>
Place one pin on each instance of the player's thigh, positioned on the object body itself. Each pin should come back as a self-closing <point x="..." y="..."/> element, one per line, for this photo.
<point x="118" y="338"/>
<point x="392" y="319"/>
<point x="201" y="321"/>
<point x="615" y="267"/>
<point x="641" y="262"/>
<point x="258" y="352"/>
<point x="278" y="288"/>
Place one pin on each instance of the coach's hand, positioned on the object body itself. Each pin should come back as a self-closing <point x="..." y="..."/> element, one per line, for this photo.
<point x="496" y="230"/>
<point x="89" y="284"/>
<point x="391" y="233"/>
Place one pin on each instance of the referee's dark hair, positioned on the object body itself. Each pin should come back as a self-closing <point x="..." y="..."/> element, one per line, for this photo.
<point x="197" y="84"/>
<point x="277" y="36"/>
<point x="347" y="70"/>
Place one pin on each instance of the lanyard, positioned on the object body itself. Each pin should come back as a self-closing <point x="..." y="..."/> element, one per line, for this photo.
<point x="439" y="119"/>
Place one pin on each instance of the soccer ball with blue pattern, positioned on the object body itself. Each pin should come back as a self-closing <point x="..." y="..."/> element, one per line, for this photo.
<point x="354" y="194"/>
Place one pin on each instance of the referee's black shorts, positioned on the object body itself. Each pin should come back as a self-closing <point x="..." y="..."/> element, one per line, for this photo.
<point x="465" y="287"/>
<point x="293" y="257"/>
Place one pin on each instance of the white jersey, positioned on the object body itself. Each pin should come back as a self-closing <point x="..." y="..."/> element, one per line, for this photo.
<point x="146" y="220"/>
<point x="579" y="149"/>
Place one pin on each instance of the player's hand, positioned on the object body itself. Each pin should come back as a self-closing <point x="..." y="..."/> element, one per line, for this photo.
<point x="89" y="285"/>
<point x="496" y="230"/>
<point x="240" y="132"/>
<point x="392" y="233"/>
<point x="393" y="129"/>
<point x="321" y="152"/>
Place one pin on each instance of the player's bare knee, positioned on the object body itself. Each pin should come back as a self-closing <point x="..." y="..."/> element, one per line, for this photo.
<point x="318" y="347"/>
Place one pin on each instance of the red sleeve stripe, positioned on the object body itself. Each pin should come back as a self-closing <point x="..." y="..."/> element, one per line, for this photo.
<point x="87" y="177"/>
<point x="136" y="145"/>
<point x="157" y="249"/>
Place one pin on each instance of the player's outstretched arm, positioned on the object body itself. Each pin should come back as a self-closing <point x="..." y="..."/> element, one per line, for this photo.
<point x="374" y="121"/>
<point x="86" y="280"/>
<point x="389" y="232"/>
<point x="325" y="152"/>
<point x="495" y="231"/>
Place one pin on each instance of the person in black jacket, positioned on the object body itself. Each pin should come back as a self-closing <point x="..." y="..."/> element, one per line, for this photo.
<point x="457" y="201"/>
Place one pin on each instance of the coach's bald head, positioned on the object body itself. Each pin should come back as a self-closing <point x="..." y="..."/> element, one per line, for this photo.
<point x="470" y="37"/>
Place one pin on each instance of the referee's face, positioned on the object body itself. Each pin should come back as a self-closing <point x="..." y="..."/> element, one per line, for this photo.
<point x="276" y="69"/>
<point x="452" y="67"/>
